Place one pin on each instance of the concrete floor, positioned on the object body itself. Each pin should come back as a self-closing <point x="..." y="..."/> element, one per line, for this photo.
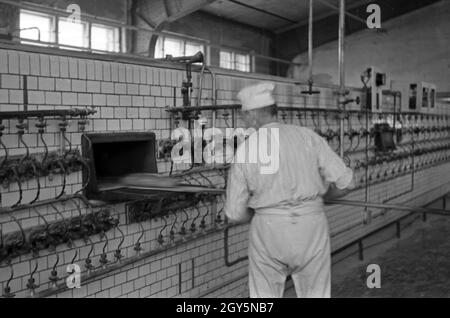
<point x="417" y="265"/>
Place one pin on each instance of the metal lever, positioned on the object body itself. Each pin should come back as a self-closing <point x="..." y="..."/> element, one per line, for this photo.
<point x="183" y="228"/>
<point x="173" y="228"/>
<point x="203" y="221"/>
<point x="310" y="91"/>
<point x="7" y="290"/>
<point x="117" y="254"/>
<point x="54" y="273"/>
<point x="137" y="246"/>
<point x="104" y="257"/>
<point x="193" y="224"/>
<point x="31" y="284"/>
<point x="5" y="149"/>
<point x="161" y="236"/>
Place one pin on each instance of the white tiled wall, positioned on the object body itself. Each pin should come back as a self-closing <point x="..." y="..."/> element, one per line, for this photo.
<point x="131" y="97"/>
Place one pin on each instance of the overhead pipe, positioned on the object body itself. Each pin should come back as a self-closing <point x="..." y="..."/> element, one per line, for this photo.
<point x="355" y="17"/>
<point x="262" y="11"/>
<point x="341" y="65"/>
<point x="310" y="40"/>
<point x="310" y="50"/>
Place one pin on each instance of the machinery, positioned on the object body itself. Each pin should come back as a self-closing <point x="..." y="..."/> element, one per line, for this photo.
<point x="404" y="89"/>
<point x="186" y="87"/>
<point x="426" y="97"/>
<point x="419" y="97"/>
<point x="375" y="82"/>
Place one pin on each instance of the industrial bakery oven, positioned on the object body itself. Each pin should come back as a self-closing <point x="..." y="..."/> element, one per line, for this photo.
<point x="111" y="156"/>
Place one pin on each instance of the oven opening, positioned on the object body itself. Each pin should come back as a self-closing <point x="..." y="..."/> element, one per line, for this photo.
<point x="123" y="168"/>
<point x="112" y="155"/>
<point x="114" y="159"/>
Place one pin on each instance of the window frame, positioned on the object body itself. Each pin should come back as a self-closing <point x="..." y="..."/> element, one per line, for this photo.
<point x="54" y="37"/>
<point x="53" y="21"/>
<point x="183" y="43"/>
<point x="86" y="36"/>
<point x="116" y="37"/>
<point x="233" y="61"/>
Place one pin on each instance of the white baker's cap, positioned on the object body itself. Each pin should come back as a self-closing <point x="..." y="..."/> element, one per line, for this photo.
<point x="257" y="96"/>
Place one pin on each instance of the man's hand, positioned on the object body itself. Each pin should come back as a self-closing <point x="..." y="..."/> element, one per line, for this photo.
<point x="244" y="219"/>
<point x="334" y="192"/>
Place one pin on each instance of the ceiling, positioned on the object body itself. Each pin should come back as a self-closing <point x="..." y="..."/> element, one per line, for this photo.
<point x="275" y="15"/>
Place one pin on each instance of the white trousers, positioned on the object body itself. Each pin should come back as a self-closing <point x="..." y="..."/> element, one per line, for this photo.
<point x="282" y="245"/>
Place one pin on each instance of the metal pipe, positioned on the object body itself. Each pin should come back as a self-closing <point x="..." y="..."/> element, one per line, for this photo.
<point x="367" y="216"/>
<point x="330" y="5"/>
<point x="25" y="92"/>
<point x="262" y="11"/>
<point x="74" y="112"/>
<point x="389" y="206"/>
<point x="341" y="46"/>
<point x="214" y="99"/>
<point x="201" y="108"/>
<point x="341" y="98"/>
<point x="42" y="203"/>
<point x="341" y="249"/>
<point x="339" y="202"/>
<point x="90" y="276"/>
<point x="5" y="149"/>
<point x="229" y="263"/>
<point x="30" y="28"/>
<point x="310" y="40"/>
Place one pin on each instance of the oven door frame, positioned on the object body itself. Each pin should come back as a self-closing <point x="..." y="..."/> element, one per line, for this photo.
<point x="87" y="145"/>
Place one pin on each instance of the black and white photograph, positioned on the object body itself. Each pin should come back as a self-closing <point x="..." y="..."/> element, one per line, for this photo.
<point x="226" y="155"/>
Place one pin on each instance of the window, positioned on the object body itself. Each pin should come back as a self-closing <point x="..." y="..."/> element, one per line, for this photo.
<point x="104" y="38"/>
<point x="175" y="47"/>
<point x="73" y="34"/>
<point x="191" y="48"/>
<point x="235" y="61"/>
<point x="36" y="26"/>
<point x="84" y="34"/>
<point x="226" y="60"/>
<point x="242" y="62"/>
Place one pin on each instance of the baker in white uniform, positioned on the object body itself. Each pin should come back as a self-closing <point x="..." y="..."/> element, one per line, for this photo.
<point x="289" y="230"/>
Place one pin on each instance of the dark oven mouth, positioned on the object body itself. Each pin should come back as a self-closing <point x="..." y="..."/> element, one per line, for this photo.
<point x="111" y="155"/>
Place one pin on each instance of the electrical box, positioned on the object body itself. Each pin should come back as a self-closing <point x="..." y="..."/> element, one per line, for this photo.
<point x="423" y="97"/>
<point x="404" y="89"/>
<point x="426" y="97"/>
<point x="375" y="85"/>
<point x="416" y="97"/>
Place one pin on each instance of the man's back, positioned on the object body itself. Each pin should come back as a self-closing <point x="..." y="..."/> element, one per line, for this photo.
<point x="306" y="165"/>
